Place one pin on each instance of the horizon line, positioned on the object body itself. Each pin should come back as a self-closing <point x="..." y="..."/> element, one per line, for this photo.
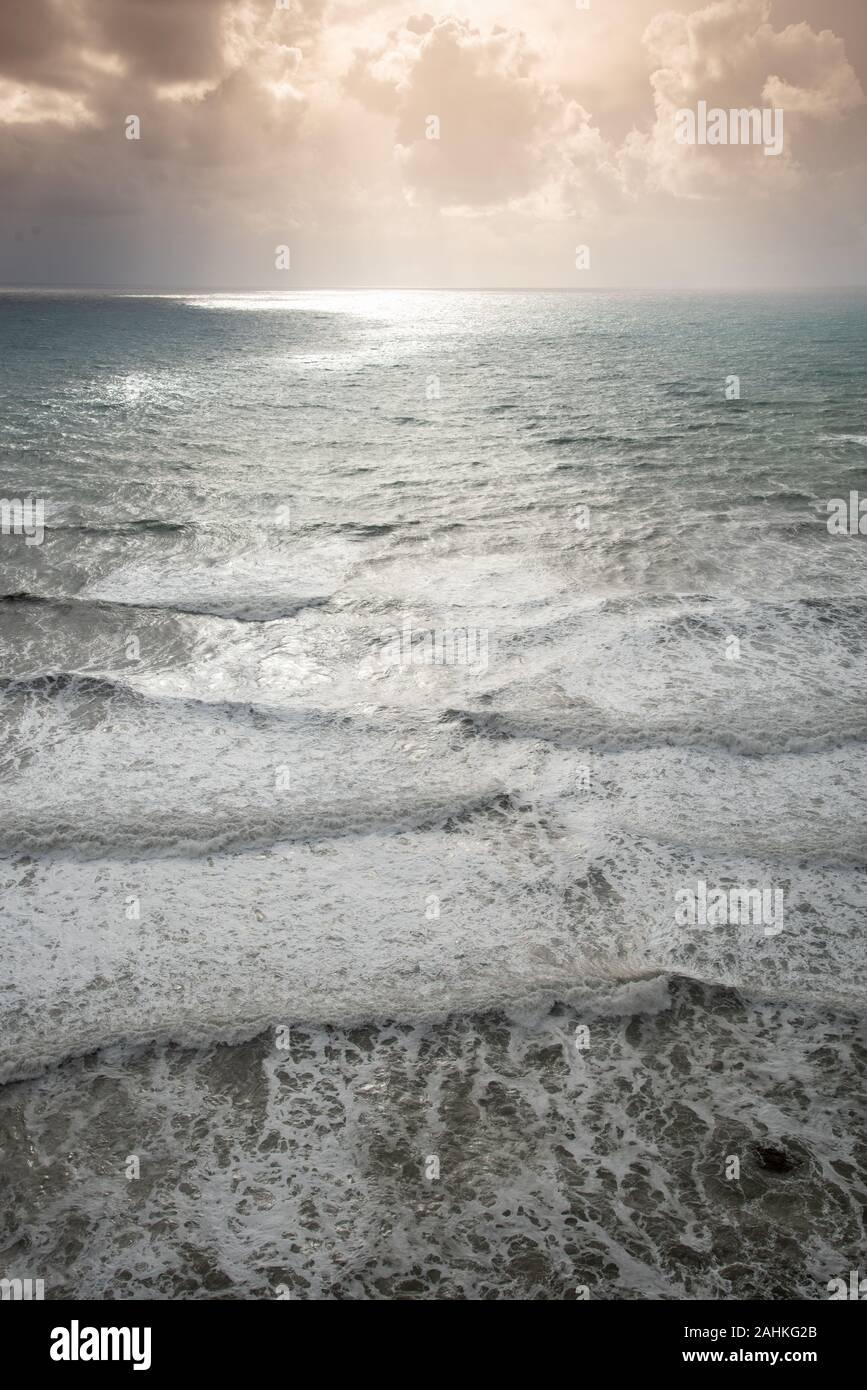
<point x="133" y="290"/>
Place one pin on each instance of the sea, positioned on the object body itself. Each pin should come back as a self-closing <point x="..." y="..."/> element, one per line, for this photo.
<point x="409" y="700"/>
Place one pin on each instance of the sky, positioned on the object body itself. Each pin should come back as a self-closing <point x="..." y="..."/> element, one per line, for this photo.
<point x="478" y="145"/>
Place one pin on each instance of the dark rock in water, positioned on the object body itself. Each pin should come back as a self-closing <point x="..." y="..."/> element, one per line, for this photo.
<point x="775" y="1160"/>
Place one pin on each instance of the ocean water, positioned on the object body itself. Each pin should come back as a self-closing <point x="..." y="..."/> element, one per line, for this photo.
<point x="388" y="665"/>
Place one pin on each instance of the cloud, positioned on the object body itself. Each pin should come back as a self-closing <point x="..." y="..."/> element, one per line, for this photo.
<point x="214" y="84"/>
<point x="39" y="41"/>
<point x="34" y="105"/>
<point x="476" y="124"/>
<point x="185" y="46"/>
<point x="263" y="125"/>
<point x="729" y="55"/>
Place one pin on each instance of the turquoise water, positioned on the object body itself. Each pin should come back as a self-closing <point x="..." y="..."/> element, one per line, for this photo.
<point x="387" y="665"/>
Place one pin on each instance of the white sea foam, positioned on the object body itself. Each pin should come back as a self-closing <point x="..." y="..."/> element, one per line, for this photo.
<point x="226" y="814"/>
